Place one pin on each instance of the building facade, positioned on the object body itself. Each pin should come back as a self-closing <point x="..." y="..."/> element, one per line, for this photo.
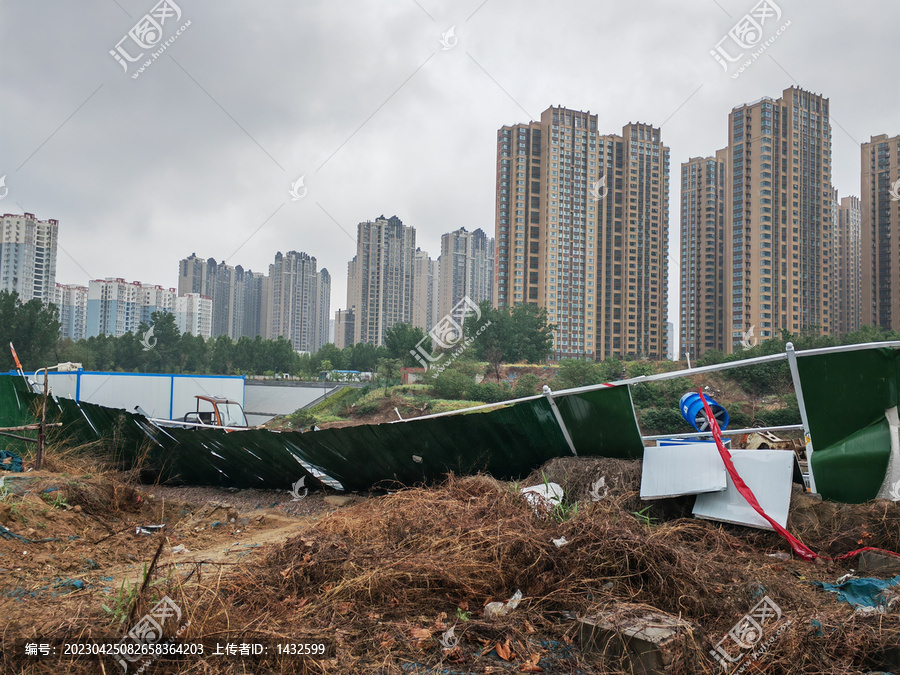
<point x="28" y="257"/>
<point x="847" y="261"/>
<point x="116" y="306"/>
<point x="193" y="314"/>
<point x="293" y="300"/>
<point x="239" y="297"/>
<point x="426" y="291"/>
<point x="703" y="299"/>
<point x="778" y="218"/>
<point x="466" y="268"/>
<point x="380" y="278"/>
<point x="71" y="299"/>
<point x="344" y="326"/>
<point x="880" y="241"/>
<point x="322" y="328"/>
<point x="582" y="230"/>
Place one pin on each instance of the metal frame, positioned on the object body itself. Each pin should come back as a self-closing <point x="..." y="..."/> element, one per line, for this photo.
<point x="729" y="432"/>
<point x="789" y="354"/>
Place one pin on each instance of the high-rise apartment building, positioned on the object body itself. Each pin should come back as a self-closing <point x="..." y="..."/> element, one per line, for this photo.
<point x="116" y="306"/>
<point x="380" y="278"/>
<point x="703" y="305"/>
<point x="582" y="230"/>
<point x="344" y="324"/>
<point x="194" y="275"/>
<point x="880" y="248"/>
<point x="294" y="300"/>
<point x="846" y="272"/>
<point x="322" y="327"/>
<point x="71" y="300"/>
<point x="193" y="314"/>
<point x="239" y="297"/>
<point x="778" y="218"/>
<point x="426" y="291"/>
<point x="28" y="256"/>
<point x="467" y="268"/>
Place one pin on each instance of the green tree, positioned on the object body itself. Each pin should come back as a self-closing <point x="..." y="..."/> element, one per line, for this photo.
<point x="330" y="353"/>
<point x="32" y="327"/>
<point x="510" y="335"/>
<point x="363" y="356"/>
<point x="221" y="357"/>
<point x="573" y="373"/>
<point x="389" y="371"/>
<point x="401" y="339"/>
<point x="192" y="353"/>
<point x="159" y="352"/>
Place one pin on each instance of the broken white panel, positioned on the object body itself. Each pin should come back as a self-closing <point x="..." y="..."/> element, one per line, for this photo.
<point x="673" y="470"/>
<point x="768" y="474"/>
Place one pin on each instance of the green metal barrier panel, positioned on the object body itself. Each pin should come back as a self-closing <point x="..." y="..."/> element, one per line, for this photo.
<point x="846" y="395"/>
<point x="507" y="442"/>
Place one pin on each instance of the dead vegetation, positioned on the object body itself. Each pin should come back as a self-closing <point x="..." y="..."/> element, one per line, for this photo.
<point x="384" y="580"/>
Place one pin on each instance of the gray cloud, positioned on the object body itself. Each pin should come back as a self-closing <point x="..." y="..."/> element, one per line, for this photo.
<point x="359" y="97"/>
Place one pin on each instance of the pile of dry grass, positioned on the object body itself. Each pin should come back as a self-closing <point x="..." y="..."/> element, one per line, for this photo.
<point x="386" y="577"/>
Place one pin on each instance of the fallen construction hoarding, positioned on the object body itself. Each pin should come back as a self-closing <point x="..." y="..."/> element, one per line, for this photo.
<point x="843" y="393"/>
<point x="506" y="442"/>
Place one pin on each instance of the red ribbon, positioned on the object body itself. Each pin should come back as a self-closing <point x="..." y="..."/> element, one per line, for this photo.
<point x="798" y="547"/>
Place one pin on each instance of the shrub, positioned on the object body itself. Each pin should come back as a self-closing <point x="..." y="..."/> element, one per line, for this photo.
<point x="576" y="373"/>
<point x="665" y="421"/>
<point x="488" y="392"/>
<point x="526" y="385"/>
<point x="367" y="408"/>
<point x="451" y="384"/>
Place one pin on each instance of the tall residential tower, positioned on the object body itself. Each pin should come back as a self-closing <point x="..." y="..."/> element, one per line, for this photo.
<point x="582" y="230"/>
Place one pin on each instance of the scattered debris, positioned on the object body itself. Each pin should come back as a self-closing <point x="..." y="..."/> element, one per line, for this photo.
<point x="492" y="610"/>
<point x="543" y="498"/>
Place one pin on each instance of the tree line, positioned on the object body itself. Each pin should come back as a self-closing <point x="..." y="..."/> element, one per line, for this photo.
<point x="502" y="335"/>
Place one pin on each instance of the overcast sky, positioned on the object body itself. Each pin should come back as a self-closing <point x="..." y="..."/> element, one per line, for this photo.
<point x="199" y="152"/>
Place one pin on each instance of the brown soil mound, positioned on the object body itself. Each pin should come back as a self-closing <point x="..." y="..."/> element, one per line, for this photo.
<point x="588" y="479"/>
<point x="386" y="578"/>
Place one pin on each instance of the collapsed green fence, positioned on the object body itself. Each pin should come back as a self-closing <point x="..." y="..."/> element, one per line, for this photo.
<point x="508" y="442"/>
<point x="846" y="395"/>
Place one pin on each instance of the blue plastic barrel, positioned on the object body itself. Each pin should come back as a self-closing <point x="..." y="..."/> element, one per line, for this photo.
<point x="694" y="414"/>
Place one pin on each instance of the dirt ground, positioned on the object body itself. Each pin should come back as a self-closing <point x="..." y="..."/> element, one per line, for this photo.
<point x="402" y="582"/>
<point x="90" y="539"/>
